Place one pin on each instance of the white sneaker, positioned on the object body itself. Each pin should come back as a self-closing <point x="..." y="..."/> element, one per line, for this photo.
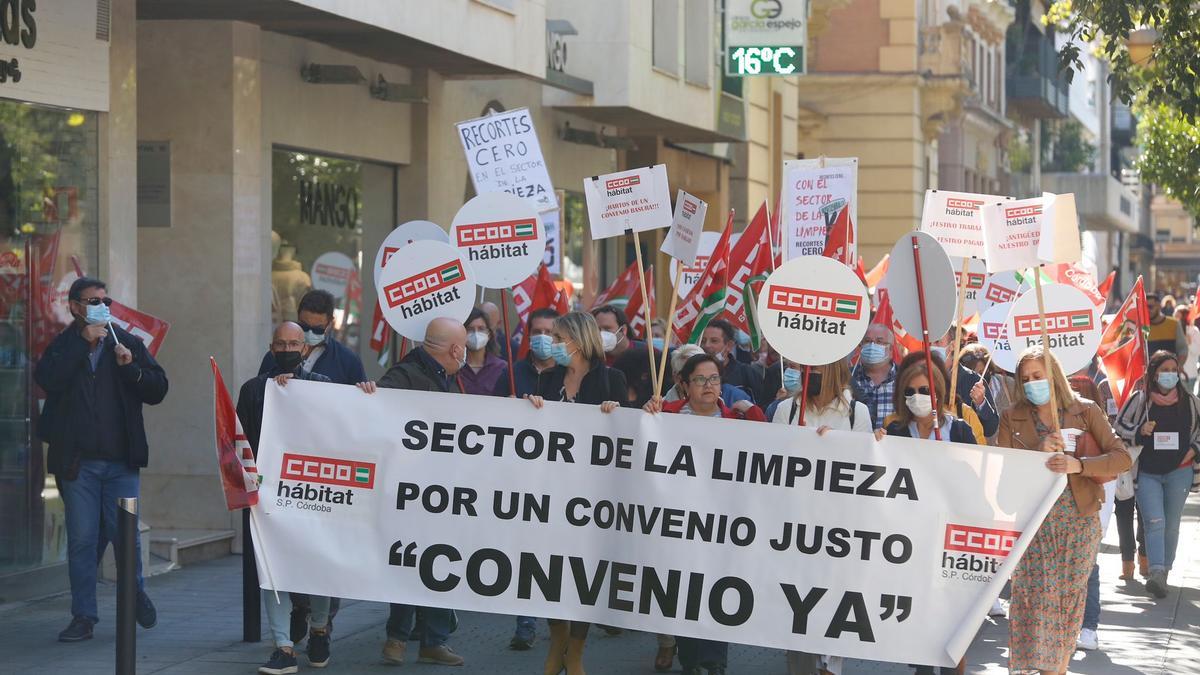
<point x="997" y="609"/>
<point x="1088" y="640"/>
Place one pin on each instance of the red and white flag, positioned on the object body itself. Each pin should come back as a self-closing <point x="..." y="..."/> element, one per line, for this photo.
<point x="1075" y="274"/>
<point x="621" y="290"/>
<point x="1123" y="345"/>
<point x="633" y="309"/>
<point x="235" y="458"/>
<point x="706" y="300"/>
<point x="750" y="264"/>
<point x="840" y="245"/>
<point x="537" y="292"/>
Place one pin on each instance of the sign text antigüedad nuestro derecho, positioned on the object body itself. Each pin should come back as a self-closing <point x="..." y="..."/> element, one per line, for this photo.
<point x="745" y="532"/>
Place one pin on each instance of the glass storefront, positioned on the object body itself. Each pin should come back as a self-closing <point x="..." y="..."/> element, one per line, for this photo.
<point x="49" y="205"/>
<point x="320" y="206"/>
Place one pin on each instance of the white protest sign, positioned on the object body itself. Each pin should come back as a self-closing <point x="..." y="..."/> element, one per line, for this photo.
<point x="954" y="219"/>
<point x="1001" y="287"/>
<point x="937" y="280"/>
<point x="1072" y="324"/>
<point x="1060" y="241"/>
<point x="814" y="310"/>
<point x="637" y="200"/>
<point x="552" y="257"/>
<point x="403" y="235"/>
<point x="1011" y="230"/>
<point x="503" y="155"/>
<point x="422" y="281"/>
<point x="501" y="236"/>
<point x="814" y="191"/>
<point x="993" y="334"/>
<point x="976" y="279"/>
<point x="683" y="240"/>
<point x="331" y="272"/>
<point x="717" y="529"/>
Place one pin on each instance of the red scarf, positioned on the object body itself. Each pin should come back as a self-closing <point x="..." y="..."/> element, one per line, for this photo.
<point x="1164" y="400"/>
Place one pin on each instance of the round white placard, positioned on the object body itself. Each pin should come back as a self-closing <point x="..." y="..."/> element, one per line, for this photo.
<point x="331" y="272"/>
<point x="1000" y="287"/>
<point x="423" y="281"/>
<point x="814" y="310"/>
<point x="405" y="234"/>
<point x="993" y="334"/>
<point x="937" y="276"/>
<point x="976" y="279"/>
<point x="1072" y="324"/>
<point x="501" y="236"/>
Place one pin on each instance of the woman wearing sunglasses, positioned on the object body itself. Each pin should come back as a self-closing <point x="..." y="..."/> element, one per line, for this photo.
<point x="1049" y="584"/>
<point x="701" y="380"/>
<point x="914" y="416"/>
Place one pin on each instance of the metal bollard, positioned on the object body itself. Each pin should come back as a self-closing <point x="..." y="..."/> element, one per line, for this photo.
<point x="251" y="607"/>
<point x="125" y="552"/>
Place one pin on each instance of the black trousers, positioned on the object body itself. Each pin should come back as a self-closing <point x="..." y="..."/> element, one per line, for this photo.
<point x="1124" y="511"/>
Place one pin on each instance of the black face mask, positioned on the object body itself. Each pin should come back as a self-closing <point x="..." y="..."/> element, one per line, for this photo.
<point x="814" y="384"/>
<point x="287" y="362"/>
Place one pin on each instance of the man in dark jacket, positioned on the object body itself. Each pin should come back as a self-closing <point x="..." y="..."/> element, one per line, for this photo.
<point x="430" y="367"/>
<point x="324" y="354"/>
<point x="538" y="364"/>
<point x="96" y="378"/>
<point x="719" y="340"/>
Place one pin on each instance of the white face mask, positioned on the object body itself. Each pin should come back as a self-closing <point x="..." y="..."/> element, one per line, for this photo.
<point x="609" y="340"/>
<point x="477" y="340"/>
<point x="920" y="405"/>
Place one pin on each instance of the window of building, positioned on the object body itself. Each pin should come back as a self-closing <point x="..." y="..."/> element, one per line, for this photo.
<point x="49" y="206"/>
<point x="697" y="37"/>
<point x="665" y="17"/>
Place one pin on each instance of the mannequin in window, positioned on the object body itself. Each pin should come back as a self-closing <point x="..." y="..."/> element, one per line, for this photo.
<point x="289" y="282"/>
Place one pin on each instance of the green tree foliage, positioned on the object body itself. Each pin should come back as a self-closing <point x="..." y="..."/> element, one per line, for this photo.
<point x="1171" y="77"/>
<point x="1064" y="149"/>
<point x="1170" y="156"/>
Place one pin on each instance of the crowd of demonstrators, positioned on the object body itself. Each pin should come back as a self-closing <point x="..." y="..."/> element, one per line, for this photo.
<point x="1161" y="421"/>
<point x="96" y="377"/>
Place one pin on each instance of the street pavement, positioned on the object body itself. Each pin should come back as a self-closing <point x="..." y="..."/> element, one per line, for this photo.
<point x="199" y="632"/>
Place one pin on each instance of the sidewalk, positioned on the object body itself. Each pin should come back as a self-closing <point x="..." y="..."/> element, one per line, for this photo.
<point x="199" y="632"/>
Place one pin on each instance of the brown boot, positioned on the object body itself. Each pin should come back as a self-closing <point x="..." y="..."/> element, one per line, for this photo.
<point x="555" y="660"/>
<point x="1143" y="566"/>
<point x="1126" y="570"/>
<point x="575" y="656"/>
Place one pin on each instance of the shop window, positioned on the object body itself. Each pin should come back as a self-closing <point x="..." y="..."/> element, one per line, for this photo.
<point x="49" y="206"/>
<point x="578" y="258"/>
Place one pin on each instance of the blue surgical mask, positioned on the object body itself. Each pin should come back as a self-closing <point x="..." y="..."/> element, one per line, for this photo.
<point x="541" y="346"/>
<point x="559" y="352"/>
<point x="98" y="314"/>
<point x="657" y="342"/>
<point x="791" y="380"/>
<point x="1037" y="391"/>
<point x="1167" y="381"/>
<point x="874" y="353"/>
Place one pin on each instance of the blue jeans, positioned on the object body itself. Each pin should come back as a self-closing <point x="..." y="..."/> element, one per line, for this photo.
<point x="694" y="652"/>
<point x="1091" y="607"/>
<point x="90" y="502"/>
<point x="279" y="615"/>
<point x="1160" y="499"/>
<point x="432" y="623"/>
<point x="526" y="627"/>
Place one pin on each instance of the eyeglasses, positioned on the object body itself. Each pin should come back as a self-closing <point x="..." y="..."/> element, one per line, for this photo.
<point x="710" y="381"/>
<point x="919" y="390"/>
<point x="877" y="341"/>
<point x="106" y="301"/>
<point x="287" y="345"/>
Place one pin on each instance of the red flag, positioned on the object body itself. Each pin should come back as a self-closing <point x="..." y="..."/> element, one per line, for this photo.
<point x="840" y="245"/>
<point x="900" y="337"/>
<point x="1105" y="287"/>
<point x="622" y="290"/>
<point x="875" y="276"/>
<point x="1076" y="275"/>
<point x="1123" y="345"/>
<point x="381" y="330"/>
<point x="861" y="270"/>
<point x="537" y="292"/>
<point x="235" y="459"/>
<point x="750" y="263"/>
<point x="152" y="330"/>
<point x="633" y="309"/>
<point x="706" y="300"/>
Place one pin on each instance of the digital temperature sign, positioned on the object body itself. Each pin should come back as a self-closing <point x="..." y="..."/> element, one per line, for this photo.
<point x="765" y="37"/>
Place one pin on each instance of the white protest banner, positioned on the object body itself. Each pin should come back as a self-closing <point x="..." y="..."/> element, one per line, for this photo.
<point x="1001" y="287"/>
<point x="993" y="334"/>
<point x="683" y="240"/>
<point x="637" y="200"/>
<point x="814" y="191"/>
<point x="976" y="279"/>
<point x="331" y="272"/>
<point x="503" y="155"/>
<point x="403" y="235"/>
<point x="684" y="525"/>
<point x="954" y="219"/>
<point x="552" y="257"/>
<point x="422" y="281"/>
<point x="501" y="236"/>
<point x="1011" y="231"/>
<point x="1060" y="241"/>
<point x="1072" y="324"/>
<point x="814" y="310"/>
<point x="937" y="282"/>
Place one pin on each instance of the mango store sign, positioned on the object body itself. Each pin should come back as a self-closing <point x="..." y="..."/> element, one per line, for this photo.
<point x="814" y="310"/>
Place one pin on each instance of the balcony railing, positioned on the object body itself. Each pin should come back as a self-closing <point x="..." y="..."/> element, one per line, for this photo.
<point x="1034" y="85"/>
